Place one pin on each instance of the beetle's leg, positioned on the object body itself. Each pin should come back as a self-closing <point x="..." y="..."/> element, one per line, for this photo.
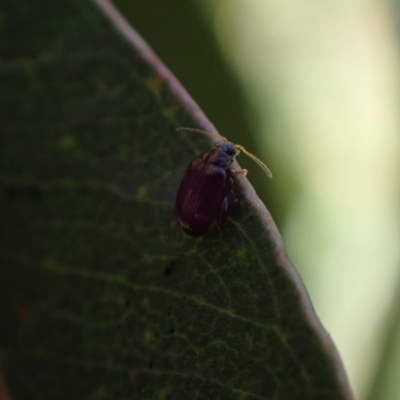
<point x="223" y="212"/>
<point x="239" y="148"/>
<point x="231" y="193"/>
<point x="240" y="172"/>
<point x="228" y="200"/>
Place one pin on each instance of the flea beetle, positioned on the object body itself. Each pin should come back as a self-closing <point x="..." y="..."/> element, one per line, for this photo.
<point x="206" y="191"/>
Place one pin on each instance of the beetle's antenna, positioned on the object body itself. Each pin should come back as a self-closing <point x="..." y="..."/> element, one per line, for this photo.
<point x="193" y="130"/>
<point x="254" y="158"/>
<point x="198" y="131"/>
<point x="237" y="146"/>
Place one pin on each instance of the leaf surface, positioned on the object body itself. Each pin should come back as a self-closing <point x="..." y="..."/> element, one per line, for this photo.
<point x="102" y="295"/>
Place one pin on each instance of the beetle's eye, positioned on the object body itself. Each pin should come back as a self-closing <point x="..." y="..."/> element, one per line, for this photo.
<point x="230" y="150"/>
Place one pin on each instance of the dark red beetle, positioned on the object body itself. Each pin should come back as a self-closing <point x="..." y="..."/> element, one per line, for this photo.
<point x="206" y="191"/>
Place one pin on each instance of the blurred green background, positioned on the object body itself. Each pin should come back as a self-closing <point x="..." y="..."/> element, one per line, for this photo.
<point x="312" y="88"/>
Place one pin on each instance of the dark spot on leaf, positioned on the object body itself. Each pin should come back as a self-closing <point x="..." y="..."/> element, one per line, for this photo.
<point x="78" y="70"/>
<point x="132" y="378"/>
<point x="63" y="305"/>
<point x="168" y="271"/>
<point x="106" y="151"/>
<point x="30" y="191"/>
<point x="34" y="192"/>
<point x="150" y="365"/>
<point x="297" y="298"/>
<point x="127" y="303"/>
<point x="170" y="268"/>
<point x="25" y="311"/>
<point x="11" y="192"/>
<point x="171" y="331"/>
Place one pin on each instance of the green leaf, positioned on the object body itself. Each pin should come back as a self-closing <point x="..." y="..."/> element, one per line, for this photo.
<point x="102" y="295"/>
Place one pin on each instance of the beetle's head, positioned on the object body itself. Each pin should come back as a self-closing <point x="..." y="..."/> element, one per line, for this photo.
<point x="228" y="148"/>
<point x="223" y="153"/>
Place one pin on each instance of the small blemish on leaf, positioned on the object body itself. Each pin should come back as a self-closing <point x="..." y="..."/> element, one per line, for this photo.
<point x="31" y="191"/>
<point x="141" y="192"/>
<point x="148" y="337"/>
<point x="2" y="18"/>
<point x="48" y="263"/>
<point x="24" y="311"/>
<point x="11" y="192"/>
<point x="145" y="302"/>
<point x="154" y="83"/>
<point x="241" y="252"/>
<point x="34" y="192"/>
<point x="100" y="393"/>
<point x="127" y="303"/>
<point x="150" y="365"/>
<point x="170" y="112"/>
<point x="164" y="393"/>
<point x="67" y="142"/>
<point x="132" y="378"/>
<point x="123" y="152"/>
<point x="168" y="271"/>
<point x="63" y="305"/>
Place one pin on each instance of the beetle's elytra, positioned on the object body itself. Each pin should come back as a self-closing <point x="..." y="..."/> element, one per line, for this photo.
<point x="206" y="191"/>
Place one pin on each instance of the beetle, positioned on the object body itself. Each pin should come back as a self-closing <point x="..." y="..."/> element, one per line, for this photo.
<point x="206" y="192"/>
